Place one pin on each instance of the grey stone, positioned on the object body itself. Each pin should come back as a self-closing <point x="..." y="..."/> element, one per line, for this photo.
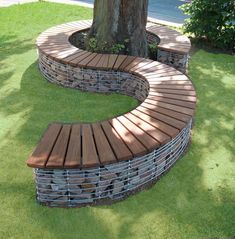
<point x="135" y="180"/>
<point x="117" y="186"/>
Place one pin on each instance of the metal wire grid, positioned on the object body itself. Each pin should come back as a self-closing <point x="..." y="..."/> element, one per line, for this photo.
<point x="73" y="187"/>
<point x="101" y="81"/>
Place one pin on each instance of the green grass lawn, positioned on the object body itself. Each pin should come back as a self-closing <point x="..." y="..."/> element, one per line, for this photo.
<point x="196" y="199"/>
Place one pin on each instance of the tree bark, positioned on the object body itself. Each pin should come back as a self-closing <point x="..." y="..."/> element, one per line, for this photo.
<point x="120" y="22"/>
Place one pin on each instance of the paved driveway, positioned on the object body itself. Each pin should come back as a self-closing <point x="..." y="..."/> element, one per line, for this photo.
<point x="166" y="10"/>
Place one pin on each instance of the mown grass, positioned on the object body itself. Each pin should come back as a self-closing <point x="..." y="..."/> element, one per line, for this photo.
<point x="194" y="200"/>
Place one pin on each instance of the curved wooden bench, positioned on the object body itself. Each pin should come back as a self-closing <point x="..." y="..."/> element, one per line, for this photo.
<point x="160" y="125"/>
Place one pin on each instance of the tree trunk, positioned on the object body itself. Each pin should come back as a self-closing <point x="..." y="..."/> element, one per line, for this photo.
<point x="119" y="23"/>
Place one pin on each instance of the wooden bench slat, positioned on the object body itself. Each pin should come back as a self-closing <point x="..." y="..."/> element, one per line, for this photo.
<point x="146" y="68"/>
<point x="135" y="62"/>
<point x="119" y="61"/>
<point x="112" y="60"/>
<point x="149" y="142"/>
<point x="54" y="53"/>
<point x="105" y="62"/>
<point x="154" y="69"/>
<point x="126" y="62"/>
<point x="171" y="96"/>
<point x="57" y="156"/>
<point x="121" y="150"/>
<point x="65" y="53"/>
<point x="100" y="62"/>
<point x="79" y="58"/>
<point x="174" y="91"/>
<point x="165" y="128"/>
<point x="183" y="117"/>
<point x="138" y="66"/>
<point x="89" y="154"/>
<point x="185" y="104"/>
<point x="42" y="152"/>
<point x="95" y="60"/>
<point x="188" y="86"/>
<point x="170" y="82"/>
<point x="164" y="71"/>
<point x="73" y="157"/>
<point x="164" y="118"/>
<point x="133" y="144"/>
<point x="105" y="152"/>
<point x="156" y="76"/>
<point x="50" y="45"/>
<point x="73" y="56"/>
<point x="161" y="137"/>
<point x="180" y="109"/>
<point x="85" y="62"/>
<point x="52" y="49"/>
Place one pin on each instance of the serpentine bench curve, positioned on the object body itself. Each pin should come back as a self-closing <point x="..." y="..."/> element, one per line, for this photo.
<point x="78" y="164"/>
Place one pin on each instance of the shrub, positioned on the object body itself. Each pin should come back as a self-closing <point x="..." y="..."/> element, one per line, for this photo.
<point x="105" y="48"/>
<point x="152" y="49"/>
<point x="212" y="20"/>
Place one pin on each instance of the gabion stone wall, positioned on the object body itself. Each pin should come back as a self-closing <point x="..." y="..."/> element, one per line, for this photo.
<point x="93" y="80"/>
<point x="77" y="187"/>
<point x="177" y="60"/>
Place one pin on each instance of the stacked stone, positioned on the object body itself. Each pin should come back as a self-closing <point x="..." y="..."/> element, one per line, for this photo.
<point x="74" y="187"/>
<point x="177" y="60"/>
<point x="93" y="80"/>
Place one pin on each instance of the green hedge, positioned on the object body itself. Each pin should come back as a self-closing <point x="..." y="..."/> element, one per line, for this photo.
<point x="213" y="21"/>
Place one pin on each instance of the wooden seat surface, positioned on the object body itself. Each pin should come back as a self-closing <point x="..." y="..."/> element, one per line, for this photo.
<point x="167" y="109"/>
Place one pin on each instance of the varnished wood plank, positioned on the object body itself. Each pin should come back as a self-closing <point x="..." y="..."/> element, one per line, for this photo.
<point x="78" y="53"/>
<point x="186" y="104"/>
<point x="149" y="142"/>
<point x="119" y="61"/>
<point x="57" y="157"/>
<point x="148" y="67"/>
<point x="162" y="117"/>
<point x="174" y="91"/>
<point x="170" y="82"/>
<point x="126" y="62"/>
<point x="79" y="58"/>
<point x="136" y="61"/>
<point x="85" y="62"/>
<point x="138" y="66"/>
<point x="42" y="152"/>
<point x="105" y="62"/>
<point x="121" y="150"/>
<point x="112" y="60"/>
<point x="105" y="151"/>
<point x="183" y="117"/>
<point x="89" y="154"/>
<point x="94" y="61"/>
<point x="165" y="128"/>
<point x="157" y="134"/>
<point x="173" y="86"/>
<point x="174" y="96"/>
<point x="73" y="157"/>
<point x="179" y="109"/>
<point x="101" y="61"/>
<point x="133" y="144"/>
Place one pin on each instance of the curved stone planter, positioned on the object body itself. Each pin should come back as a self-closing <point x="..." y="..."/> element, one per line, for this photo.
<point x="166" y="110"/>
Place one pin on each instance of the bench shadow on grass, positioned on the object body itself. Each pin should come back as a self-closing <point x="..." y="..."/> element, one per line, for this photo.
<point x="181" y="202"/>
